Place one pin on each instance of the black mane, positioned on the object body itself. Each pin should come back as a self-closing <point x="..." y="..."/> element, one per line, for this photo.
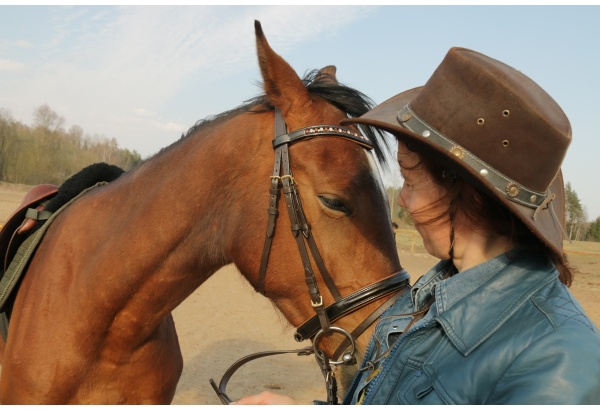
<point x="353" y="102"/>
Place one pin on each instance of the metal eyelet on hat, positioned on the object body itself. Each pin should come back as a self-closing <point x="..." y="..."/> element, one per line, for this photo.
<point x="480" y="121"/>
<point x="506" y="113"/>
<point x="512" y="190"/>
<point x="406" y="116"/>
<point x="505" y="143"/>
<point x="458" y="152"/>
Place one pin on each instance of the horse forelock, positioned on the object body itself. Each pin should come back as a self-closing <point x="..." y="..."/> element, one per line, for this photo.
<point x="352" y="102"/>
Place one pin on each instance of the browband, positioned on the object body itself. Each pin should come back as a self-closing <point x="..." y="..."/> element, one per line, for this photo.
<point x="322" y="130"/>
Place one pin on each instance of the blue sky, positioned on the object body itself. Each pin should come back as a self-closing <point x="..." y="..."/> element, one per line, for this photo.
<point x="145" y="74"/>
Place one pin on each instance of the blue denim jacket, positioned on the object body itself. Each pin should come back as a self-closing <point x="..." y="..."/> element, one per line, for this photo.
<point x="504" y="332"/>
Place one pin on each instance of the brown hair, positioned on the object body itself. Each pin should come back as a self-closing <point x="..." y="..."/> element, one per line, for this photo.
<point x="486" y="214"/>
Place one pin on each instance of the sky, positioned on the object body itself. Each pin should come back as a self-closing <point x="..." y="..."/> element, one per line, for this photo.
<point x="145" y="74"/>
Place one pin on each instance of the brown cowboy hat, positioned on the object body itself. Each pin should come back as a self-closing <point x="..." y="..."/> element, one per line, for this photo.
<point x="493" y="125"/>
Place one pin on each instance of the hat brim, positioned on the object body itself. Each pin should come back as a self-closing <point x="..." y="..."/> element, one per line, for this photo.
<point x="546" y="224"/>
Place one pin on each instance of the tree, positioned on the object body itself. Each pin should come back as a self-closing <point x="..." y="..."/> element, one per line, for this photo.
<point x="593" y="232"/>
<point x="7" y="139"/>
<point x="45" y="117"/>
<point x="575" y="215"/>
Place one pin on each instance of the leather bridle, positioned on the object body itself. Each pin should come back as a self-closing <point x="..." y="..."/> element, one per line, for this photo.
<point x="319" y="325"/>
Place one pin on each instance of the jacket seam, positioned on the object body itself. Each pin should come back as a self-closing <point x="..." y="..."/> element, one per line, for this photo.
<point x="543" y="312"/>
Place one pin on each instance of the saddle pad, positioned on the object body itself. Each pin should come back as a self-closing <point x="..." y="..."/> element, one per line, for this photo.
<point x="18" y="265"/>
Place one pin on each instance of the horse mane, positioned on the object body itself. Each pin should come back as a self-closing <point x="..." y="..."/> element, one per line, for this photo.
<point x="351" y="101"/>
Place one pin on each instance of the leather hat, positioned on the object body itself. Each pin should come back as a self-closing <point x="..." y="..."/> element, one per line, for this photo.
<point x="495" y="127"/>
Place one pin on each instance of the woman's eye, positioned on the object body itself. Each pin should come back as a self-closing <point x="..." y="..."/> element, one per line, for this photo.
<point x="335" y="204"/>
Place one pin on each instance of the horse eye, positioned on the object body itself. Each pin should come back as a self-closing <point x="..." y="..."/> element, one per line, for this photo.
<point x="335" y="204"/>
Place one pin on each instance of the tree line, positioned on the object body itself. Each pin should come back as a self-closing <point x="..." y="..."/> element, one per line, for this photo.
<point x="577" y="227"/>
<point x="45" y="152"/>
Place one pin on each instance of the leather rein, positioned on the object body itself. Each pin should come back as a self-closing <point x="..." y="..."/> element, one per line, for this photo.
<point x="319" y="325"/>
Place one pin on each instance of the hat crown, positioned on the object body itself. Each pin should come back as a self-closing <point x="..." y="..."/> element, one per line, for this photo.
<point x="498" y="114"/>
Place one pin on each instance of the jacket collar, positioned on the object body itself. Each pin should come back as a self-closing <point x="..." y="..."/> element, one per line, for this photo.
<point x="504" y="283"/>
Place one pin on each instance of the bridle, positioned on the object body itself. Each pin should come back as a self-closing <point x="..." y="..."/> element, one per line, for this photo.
<point x="319" y="325"/>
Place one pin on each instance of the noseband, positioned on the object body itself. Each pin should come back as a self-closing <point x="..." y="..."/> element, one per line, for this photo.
<point x="318" y="326"/>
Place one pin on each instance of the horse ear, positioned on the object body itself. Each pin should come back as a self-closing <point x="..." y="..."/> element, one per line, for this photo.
<point x="327" y="74"/>
<point x="282" y="85"/>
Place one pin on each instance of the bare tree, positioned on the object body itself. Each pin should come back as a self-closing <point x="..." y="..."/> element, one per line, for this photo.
<point x="45" y="117"/>
<point x="575" y="214"/>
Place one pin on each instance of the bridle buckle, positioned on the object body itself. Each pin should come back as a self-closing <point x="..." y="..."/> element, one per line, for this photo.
<point x="317" y="304"/>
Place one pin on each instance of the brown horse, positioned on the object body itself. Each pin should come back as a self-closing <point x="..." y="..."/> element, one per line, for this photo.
<point x="92" y="323"/>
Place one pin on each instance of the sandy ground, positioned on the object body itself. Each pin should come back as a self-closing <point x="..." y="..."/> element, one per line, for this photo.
<point x="225" y="320"/>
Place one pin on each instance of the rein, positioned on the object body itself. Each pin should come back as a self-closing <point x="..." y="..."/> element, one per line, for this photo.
<point x="319" y="325"/>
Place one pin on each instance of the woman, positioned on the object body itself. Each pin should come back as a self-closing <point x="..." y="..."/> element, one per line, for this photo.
<point x="480" y="149"/>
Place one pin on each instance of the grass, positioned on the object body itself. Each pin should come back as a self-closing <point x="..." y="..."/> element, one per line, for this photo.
<point x="582" y="247"/>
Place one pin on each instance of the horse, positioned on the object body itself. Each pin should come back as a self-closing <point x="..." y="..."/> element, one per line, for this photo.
<point x="91" y="322"/>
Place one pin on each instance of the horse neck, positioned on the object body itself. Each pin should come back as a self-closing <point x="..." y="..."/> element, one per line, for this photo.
<point x="182" y="207"/>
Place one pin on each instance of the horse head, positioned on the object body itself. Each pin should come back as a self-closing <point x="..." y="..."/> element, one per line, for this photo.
<point x="341" y="195"/>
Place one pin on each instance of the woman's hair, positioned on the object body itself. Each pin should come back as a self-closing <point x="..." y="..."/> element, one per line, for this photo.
<point x="481" y="212"/>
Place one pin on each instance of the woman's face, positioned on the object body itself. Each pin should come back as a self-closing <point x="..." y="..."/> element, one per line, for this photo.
<point x="424" y="200"/>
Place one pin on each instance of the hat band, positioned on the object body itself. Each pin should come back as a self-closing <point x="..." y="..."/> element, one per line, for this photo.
<point x="511" y="189"/>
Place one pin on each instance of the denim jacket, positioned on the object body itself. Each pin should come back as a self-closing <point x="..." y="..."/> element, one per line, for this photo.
<point x="504" y="332"/>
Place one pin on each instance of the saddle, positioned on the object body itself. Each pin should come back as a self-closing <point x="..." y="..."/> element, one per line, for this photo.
<point x="23" y="220"/>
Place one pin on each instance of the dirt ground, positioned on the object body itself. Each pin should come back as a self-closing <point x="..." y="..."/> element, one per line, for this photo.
<point x="225" y="320"/>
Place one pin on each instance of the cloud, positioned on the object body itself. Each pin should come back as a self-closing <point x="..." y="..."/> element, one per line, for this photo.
<point x="153" y="120"/>
<point x="23" y="44"/>
<point x="98" y="63"/>
<point x="172" y="127"/>
<point x="163" y="46"/>
<point x="144" y="113"/>
<point x="7" y="44"/>
<point x="11" y="66"/>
